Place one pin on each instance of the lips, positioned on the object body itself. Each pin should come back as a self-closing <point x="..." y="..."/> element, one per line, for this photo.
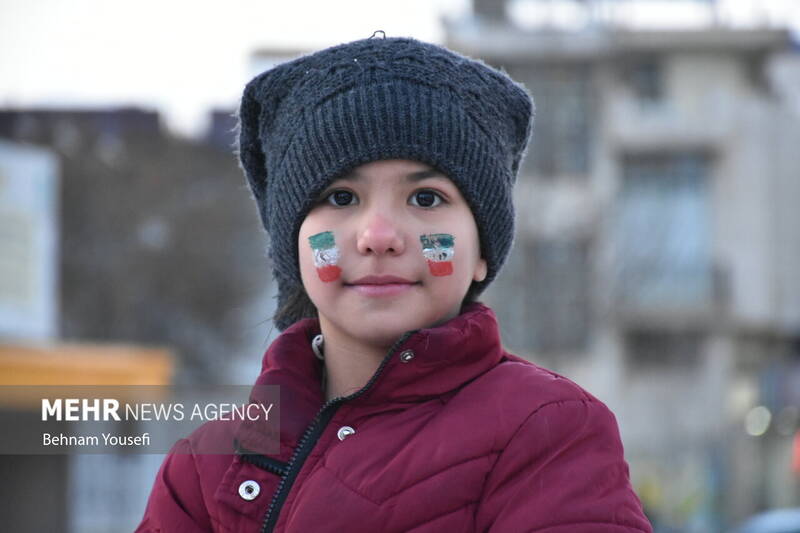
<point x="380" y="280"/>
<point x="381" y="285"/>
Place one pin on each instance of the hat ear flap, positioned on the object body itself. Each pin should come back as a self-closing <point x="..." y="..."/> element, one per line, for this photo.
<point x="251" y="154"/>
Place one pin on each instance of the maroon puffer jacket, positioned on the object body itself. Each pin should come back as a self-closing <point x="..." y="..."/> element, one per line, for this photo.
<point x="461" y="436"/>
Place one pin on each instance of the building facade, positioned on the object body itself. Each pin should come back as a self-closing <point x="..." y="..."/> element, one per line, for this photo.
<point x="658" y="247"/>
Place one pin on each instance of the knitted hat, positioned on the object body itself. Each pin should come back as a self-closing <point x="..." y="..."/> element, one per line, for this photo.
<point x="308" y="121"/>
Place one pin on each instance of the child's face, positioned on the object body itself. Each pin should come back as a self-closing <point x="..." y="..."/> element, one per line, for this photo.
<point x="395" y="218"/>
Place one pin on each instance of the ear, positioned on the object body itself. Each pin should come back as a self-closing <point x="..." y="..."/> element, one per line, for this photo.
<point x="481" y="269"/>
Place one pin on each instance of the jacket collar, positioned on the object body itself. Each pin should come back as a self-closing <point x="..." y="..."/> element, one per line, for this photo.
<point x="444" y="358"/>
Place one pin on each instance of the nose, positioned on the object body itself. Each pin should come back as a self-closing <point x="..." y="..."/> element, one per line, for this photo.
<point x="380" y="235"/>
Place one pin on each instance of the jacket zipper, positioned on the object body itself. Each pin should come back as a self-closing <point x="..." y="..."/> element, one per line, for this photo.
<point x="262" y="461"/>
<point x="266" y="463"/>
<point x="311" y="436"/>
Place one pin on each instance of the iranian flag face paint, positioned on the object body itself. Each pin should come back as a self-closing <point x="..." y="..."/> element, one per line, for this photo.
<point x="326" y="255"/>
<point x="438" y="251"/>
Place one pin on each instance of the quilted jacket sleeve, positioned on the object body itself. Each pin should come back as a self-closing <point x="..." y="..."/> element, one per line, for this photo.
<point x="176" y="504"/>
<point x="563" y="471"/>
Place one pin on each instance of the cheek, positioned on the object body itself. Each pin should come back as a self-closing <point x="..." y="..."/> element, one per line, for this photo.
<point x="438" y="249"/>
<point x="325" y="256"/>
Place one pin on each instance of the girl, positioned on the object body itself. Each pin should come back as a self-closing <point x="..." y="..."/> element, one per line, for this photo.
<point x="383" y="172"/>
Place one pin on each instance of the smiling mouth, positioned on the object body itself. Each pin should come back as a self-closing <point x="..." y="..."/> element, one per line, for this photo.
<point x="381" y="285"/>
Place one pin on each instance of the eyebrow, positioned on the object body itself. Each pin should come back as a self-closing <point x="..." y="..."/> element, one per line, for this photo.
<point x="419" y="175"/>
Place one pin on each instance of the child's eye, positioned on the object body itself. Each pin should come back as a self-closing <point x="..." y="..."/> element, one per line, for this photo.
<point x="426" y="198"/>
<point x="341" y="198"/>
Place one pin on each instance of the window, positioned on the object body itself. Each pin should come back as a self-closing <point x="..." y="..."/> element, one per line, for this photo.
<point x="662" y="351"/>
<point x="645" y="79"/>
<point x="663" y="232"/>
<point x="560" y="295"/>
<point x="562" y="128"/>
<point x="545" y="293"/>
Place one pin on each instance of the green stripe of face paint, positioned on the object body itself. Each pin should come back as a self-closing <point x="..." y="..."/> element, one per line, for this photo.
<point x="323" y="240"/>
<point x="437" y="240"/>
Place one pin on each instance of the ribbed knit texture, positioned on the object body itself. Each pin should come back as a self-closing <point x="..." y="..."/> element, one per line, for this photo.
<point x="306" y="122"/>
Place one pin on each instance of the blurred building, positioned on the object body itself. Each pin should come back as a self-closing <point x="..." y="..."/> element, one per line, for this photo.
<point x="159" y="242"/>
<point x="658" y="247"/>
<point x="127" y="257"/>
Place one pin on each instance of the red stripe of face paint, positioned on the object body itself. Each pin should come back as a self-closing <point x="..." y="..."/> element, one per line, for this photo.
<point x="329" y="273"/>
<point x="440" y="268"/>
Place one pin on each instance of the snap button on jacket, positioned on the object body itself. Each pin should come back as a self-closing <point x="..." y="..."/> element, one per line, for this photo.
<point x="465" y="438"/>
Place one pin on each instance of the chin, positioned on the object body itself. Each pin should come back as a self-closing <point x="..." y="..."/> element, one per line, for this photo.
<point x="381" y="333"/>
<point x="388" y="329"/>
<point x="382" y="323"/>
<point x="383" y="329"/>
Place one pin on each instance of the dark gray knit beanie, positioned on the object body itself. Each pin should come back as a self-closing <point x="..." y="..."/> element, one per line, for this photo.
<point x="308" y="121"/>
